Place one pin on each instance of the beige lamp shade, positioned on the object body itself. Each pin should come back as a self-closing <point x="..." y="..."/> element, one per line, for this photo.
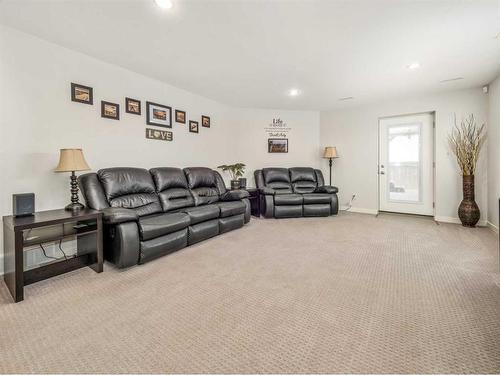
<point x="330" y="153"/>
<point x="71" y="160"/>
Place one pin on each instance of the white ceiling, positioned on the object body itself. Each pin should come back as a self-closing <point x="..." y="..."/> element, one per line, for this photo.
<point x="250" y="53"/>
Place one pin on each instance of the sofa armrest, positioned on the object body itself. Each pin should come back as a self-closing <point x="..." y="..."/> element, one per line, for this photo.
<point x="234" y="195"/>
<point x="117" y="215"/>
<point x="267" y="191"/>
<point x="326" y="189"/>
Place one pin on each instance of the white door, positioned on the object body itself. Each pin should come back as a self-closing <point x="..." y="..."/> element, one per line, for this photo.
<point x="406" y="160"/>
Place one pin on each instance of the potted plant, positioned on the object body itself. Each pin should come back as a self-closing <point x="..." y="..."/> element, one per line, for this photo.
<point x="466" y="142"/>
<point x="235" y="171"/>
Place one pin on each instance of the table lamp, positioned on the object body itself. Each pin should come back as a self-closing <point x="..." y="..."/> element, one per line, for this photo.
<point x="330" y="153"/>
<point x="72" y="160"/>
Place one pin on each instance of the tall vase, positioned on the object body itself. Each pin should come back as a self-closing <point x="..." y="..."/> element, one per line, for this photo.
<point x="468" y="211"/>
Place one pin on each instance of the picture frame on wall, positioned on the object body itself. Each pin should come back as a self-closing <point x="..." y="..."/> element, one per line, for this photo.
<point x="193" y="126"/>
<point x="277" y="145"/>
<point x="180" y="116"/>
<point x="133" y="106"/>
<point x="205" y="121"/>
<point x="82" y="94"/>
<point x="110" y="110"/>
<point x="158" y="115"/>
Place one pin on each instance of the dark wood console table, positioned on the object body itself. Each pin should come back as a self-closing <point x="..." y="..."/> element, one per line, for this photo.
<point x="29" y="238"/>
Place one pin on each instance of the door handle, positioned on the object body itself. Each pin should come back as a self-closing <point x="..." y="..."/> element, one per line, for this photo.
<point x="382" y="172"/>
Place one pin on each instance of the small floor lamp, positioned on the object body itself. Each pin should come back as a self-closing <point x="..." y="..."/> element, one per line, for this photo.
<point x="72" y="160"/>
<point x="330" y="154"/>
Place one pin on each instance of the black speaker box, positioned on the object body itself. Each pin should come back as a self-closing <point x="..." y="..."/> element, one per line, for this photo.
<point x="23" y="204"/>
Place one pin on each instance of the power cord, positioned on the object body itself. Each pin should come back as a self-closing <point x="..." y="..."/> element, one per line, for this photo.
<point x="62" y="251"/>
<point x="349" y="205"/>
<point x="51" y="257"/>
<point x="45" y="253"/>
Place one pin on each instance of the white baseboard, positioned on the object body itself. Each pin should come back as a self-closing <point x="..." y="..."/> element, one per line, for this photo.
<point x="456" y="220"/>
<point x="492" y="226"/>
<point x="360" y="210"/>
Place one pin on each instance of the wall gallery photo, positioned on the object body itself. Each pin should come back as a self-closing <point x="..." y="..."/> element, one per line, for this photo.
<point x="133" y="106"/>
<point x="193" y="126"/>
<point x="158" y="115"/>
<point x="110" y="110"/>
<point x="205" y="121"/>
<point x="277" y="145"/>
<point x="180" y="116"/>
<point x="82" y="94"/>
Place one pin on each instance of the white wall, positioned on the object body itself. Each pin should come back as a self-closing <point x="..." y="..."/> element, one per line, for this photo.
<point x="38" y="118"/>
<point x="355" y="133"/>
<point x="303" y="139"/>
<point x="494" y="152"/>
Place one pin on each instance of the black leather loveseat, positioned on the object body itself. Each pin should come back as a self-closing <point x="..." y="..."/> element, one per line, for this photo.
<point x="295" y="192"/>
<point x="150" y="213"/>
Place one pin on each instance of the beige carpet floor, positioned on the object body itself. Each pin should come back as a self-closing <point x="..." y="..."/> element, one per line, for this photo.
<point x="349" y="294"/>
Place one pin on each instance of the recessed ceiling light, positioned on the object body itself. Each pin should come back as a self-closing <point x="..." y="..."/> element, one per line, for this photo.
<point x="451" y="79"/>
<point x="346" y="98"/>
<point x="294" y="92"/>
<point x="414" y="65"/>
<point x="164" y="4"/>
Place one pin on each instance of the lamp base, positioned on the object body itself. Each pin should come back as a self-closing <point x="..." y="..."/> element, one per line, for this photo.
<point x="74" y="207"/>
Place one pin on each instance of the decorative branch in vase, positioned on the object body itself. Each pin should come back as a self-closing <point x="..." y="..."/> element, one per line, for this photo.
<point x="466" y="142"/>
<point x="235" y="171"/>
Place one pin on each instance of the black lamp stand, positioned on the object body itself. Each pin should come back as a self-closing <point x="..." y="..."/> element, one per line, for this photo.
<point x="74" y="205"/>
<point x="330" y="162"/>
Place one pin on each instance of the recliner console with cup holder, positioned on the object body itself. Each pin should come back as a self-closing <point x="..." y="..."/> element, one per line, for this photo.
<point x="151" y="213"/>
<point x="295" y="192"/>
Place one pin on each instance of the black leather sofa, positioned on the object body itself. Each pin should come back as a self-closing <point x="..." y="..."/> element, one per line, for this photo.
<point x="150" y="213"/>
<point x="295" y="192"/>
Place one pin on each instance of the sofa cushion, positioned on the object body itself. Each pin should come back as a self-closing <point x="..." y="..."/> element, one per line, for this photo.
<point x="168" y="178"/>
<point x="130" y="188"/>
<point x="200" y="177"/>
<point x="163" y="245"/>
<point x="303" y="187"/>
<point x="277" y="179"/>
<point x="231" y="208"/>
<point x="172" y="188"/>
<point x="322" y="209"/>
<point x="202" y="213"/>
<point x="158" y="225"/>
<point x="303" y="180"/>
<point x="203" y="231"/>
<point x="288" y="199"/>
<point x="315" y="198"/>
<point x="288" y="211"/>
<point x="302" y="174"/>
<point x="203" y="185"/>
<point x="227" y="224"/>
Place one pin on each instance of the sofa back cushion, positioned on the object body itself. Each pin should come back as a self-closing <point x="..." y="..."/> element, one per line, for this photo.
<point x="203" y="185"/>
<point x="277" y="179"/>
<point x="172" y="188"/>
<point x="130" y="188"/>
<point x="303" y="180"/>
